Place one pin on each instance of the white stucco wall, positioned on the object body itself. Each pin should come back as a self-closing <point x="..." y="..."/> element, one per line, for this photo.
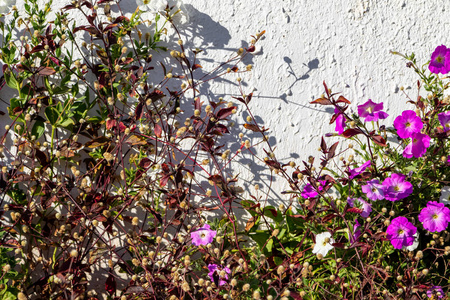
<point x="345" y="42"/>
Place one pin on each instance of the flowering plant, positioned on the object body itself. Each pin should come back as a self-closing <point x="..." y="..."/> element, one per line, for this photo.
<point x="115" y="169"/>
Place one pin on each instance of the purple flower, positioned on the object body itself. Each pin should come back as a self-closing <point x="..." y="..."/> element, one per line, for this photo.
<point x="435" y="216"/>
<point x="356" y="171"/>
<point x="360" y="203"/>
<point x="444" y="119"/>
<point x="203" y="236"/>
<point x="435" y="290"/>
<point x="213" y="268"/>
<point x="340" y="121"/>
<point x="310" y="192"/>
<point x="440" y="60"/>
<point x="371" y="111"/>
<point x="407" y="124"/>
<point x="396" y="188"/>
<point x="356" y="233"/>
<point x="373" y="190"/>
<point x="418" y="146"/>
<point x="401" y="232"/>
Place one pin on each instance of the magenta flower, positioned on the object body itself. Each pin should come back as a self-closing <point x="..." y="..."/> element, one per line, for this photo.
<point x="203" y="236"/>
<point x="373" y="190"/>
<point x="214" y="274"/>
<point x="371" y="111"/>
<point x="440" y="60"/>
<point x="407" y="124"/>
<point x="310" y="192"/>
<point x="356" y="171"/>
<point x="360" y="203"/>
<point x="418" y="146"/>
<point x="435" y="216"/>
<point x="396" y="188"/>
<point x="340" y="121"/>
<point x="401" y="232"/>
<point x="437" y="291"/>
<point x="444" y="119"/>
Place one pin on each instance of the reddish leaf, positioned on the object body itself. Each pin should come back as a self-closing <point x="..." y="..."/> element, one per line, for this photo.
<point x="196" y="66"/>
<point x="163" y="181"/>
<point x="342" y="99"/>
<point x="97" y="142"/>
<point x="240" y="99"/>
<point x="322" y="101"/>
<point x="234" y="69"/>
<point x="351" y="132"/>
<point x="251" y="48"/>
<point x="136" y="140"/>
<point x="138" y="111"/>
<point x="323" y="145"/>
<point x="55" y="61"/>
<point x="251" y="127"/>
<point x="37" y="48"/>
<point x="379" y="140"/>
<point x="158" y="130"/>
<point x="328" y="217"/>
<point x="145" y="163"/>
<point x="355" y="210"/>
<point x="339" y="245"/>
<point x="225" y="112"/>
<point x="249" y="98"/>
<point x="110" y="124"/>
<point x="273" y="164"/>
<point x="332" y="150"/>
<point x="216" y="179"/>
<point x="110" y="285"/>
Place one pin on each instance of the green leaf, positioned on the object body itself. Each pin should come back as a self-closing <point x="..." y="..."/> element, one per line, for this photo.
<point x="260" y="237"/>
<point x="38" y="129"/>
<point x="65" y="122"/>
<point x="277" y="260"/>
<point x="52" y="114"/>
<point x="273" y="213"/>
<point x="11" y="81"/>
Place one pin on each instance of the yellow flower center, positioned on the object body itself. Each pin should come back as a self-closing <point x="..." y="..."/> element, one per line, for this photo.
<point x="369" y="109"/>
<point x="396" y="188"/>
<point x="407" y="124"/>
<point x="202" y="235"/>
<point x="400" y="231"/>
<point x="439" y="59"/>
<point x="435" y="216"/>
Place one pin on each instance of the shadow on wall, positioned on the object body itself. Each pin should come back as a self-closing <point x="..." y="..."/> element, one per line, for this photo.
<point x="312" y="65"/>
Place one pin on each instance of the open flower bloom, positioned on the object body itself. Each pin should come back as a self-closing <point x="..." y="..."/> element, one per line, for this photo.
<point x="440" y="60"/>
<point x="407" y="124"/>
<point x="444" y="119"/>
<point x="360" y="203"/>
<point x="310" y="192"/>
<point x="435" y="216"/>
<point x="371" y="111"/>
<point x="418" y="146"/>
<point x="215" y="271"/>
<point x="357" y="171"/>
<point x="435" y="292"/>
<point x="203" y="236"/>
<point x="401" y="232"/>
<point x="323" y="243"/>
<point x="373" y="190"/>
<point x="396" y="188"/>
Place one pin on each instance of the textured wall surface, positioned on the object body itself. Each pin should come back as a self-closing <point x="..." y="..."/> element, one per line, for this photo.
<point x="345" y="42"/>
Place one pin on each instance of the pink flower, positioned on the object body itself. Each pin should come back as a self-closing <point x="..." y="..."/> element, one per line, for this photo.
<point x="444" y="119"/>
<point x="310" y="192"/>
<point x="340" y="121"/>
<point x="371" y="111"/>
<point x="401" y="232"/>
<point x="440" y="60"/>
<point x="407" y="124"/>
<point x="418" y="146"/>
<point x="396" y="188"/>
<point x="214" y="274"/>
<point x="203" y="236"/>
<point x="435" y="216"/>
<point x="373" y="190"/>
<point x="357" y="171"/>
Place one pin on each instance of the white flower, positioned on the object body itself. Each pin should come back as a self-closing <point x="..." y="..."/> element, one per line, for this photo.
<point x="5" y="5"/>
<point x="445" y="195"/>
<point x="414" y="245"/>
<point x="323" y="243"/>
